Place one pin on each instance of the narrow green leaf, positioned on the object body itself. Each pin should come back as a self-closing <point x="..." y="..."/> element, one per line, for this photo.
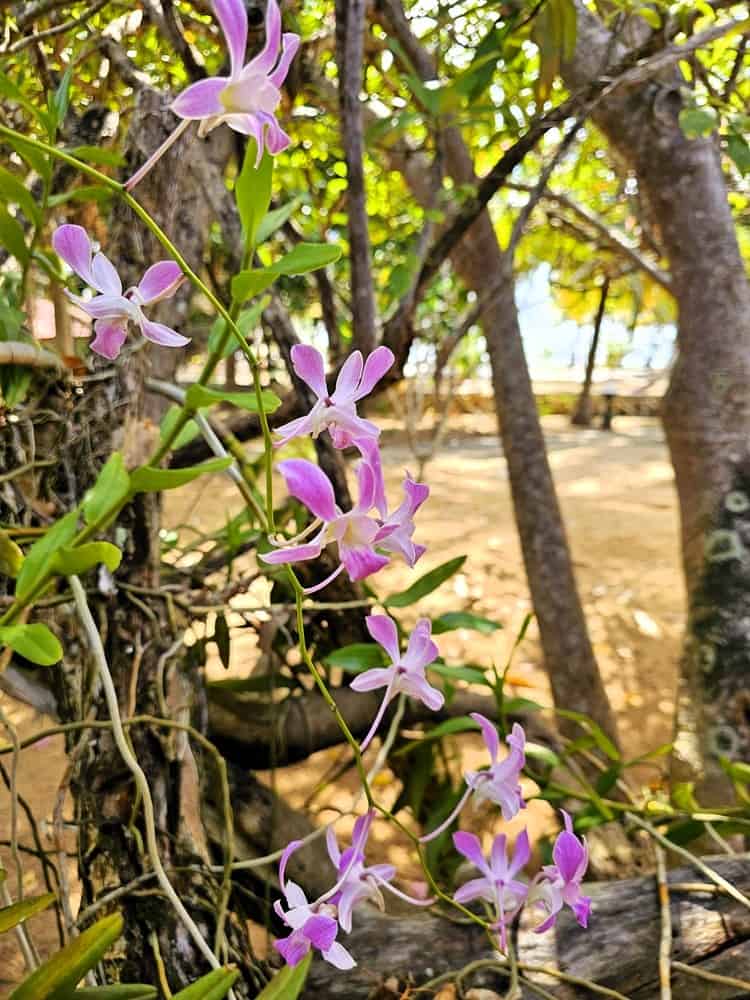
<point x="12" y="237"/>
<point x="450" y="727"/>
<point x="474" y="675"/>
<point x="54" y="979"/>
<point x="544" y="754"/>
<point x="58" y="102"/>
<point x="198" y="396"/>
<point x="11" y="556"/>
<point x="425" y="584"/>
<point x="111" y="486"/>
<point x="599" y="737"/>
<point x="251" y="282"/>
<point x="213" y="986"/>
<point x="246" y="324"/>
<point x="739" y="151"/>
<point x="252" y="191"/>
<point x="288" y="982"/>
<point x="34" y="642"/>
<point x="147" y="479"/>
<point x="35" y="159"/>
<point x="15" y="914"/>
<point x="15" y="191"/>
<point x="222" y="639"/>
<point x="303" y="258"/>
<point x="99" y="156"/>
<point x="123" y="991"/>
<point x="275" y="219"/>
<point x="357" y="657"/>
<point x="87" y="192"/>
<point x="80" y="559"/>
<point x="464" y="619"/>
<point x="186" y="435"/>
<point x="42" y="552"/>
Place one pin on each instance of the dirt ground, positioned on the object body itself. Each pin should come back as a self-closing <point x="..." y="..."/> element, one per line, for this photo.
<point x="617" y="495"/>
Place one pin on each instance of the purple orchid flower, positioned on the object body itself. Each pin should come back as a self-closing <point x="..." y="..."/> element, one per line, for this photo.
<point x="560" y="883"/>
<point x="497" y="885"/>
<point x="354" y="532"/>
<point x="499" y="783"/>
<point x="314" y="925"/>
<point x="336" y="412"/>
<point x="248" y="98"/>
<point x="406" y="673"/>
<point x="397" y="528"/>
<point x="112" y="310"/>
<point x="358" y="881"/>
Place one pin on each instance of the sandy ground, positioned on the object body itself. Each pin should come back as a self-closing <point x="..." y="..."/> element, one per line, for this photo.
<point x="618" y="501"/>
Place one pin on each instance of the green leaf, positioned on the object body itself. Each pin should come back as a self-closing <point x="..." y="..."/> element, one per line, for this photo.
<point x="512" y="706"/>
<point x="14" y="190"/>
<point x="474" y="675"/>
<point x="464" y="619"/>
<point x="252" y="191"/>
<point x="35" y="642"/>
<point x="85" y="193"/>
<point x="599" y="737"/>
<point x="213" y="986"/>
<point x="222" y="639"/>
<point x="303" y="258"/>
<point x="34" y="157"/>
<point x="275" y="219"/>
<point x="147" y="479"/>
<point x="425" y="584"/>
<point x="123" y="991"/>
<point x="683" y="797"/>
<point x="288" y="982"/>
<point x="80" y="559"/>
<point x="186" y="435"/>
<point x="246" y="324"/>
<point x="357" y="657"/>
<point x="42" y="552"/>
<point x="544" y="754"/>
<point x="650" y="16"/>
<point x="696" y="122"/>
<point x="15" y="914"/>
<point x="58" y="102"/>
<point x="12" y="237"/>
<point x="199" y="396"/>
<point x="739" y="151"/>
<point x="111" y="486"/>
<point x="99" y="156"/>
<point x="448" y="728"/>
<point x="736" y="769"/>
<point x="54" y="979"/>
<point x="11" y="556"/>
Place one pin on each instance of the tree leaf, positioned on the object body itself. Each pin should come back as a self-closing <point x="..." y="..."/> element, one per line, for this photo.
<point x="288" y="982"/>
<point x="739" y="151"/>
<point x="34" y="642"/>
<point x="357" y="657"/>
<point x="199" y="396"/>
<point x="425" y="584"/>
<point x="111" y="486"/>
<point x="147" y="479"/>
<point x="54" y="979"/>
<point x="15" y="914"/>
<point x="42" y="552"/>
<point x="75" y="561"/>
<point x="213" y="986"/>
<point x="696" y="122"/>
<point x="464" y="619"/>
<point x="252" y="191"/>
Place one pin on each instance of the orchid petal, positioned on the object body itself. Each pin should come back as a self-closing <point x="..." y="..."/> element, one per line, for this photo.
<point x="201" y="99"/>
<point x="266" y="58"/>
<point x="421" y="650"/>
<point x="321" y="931"/>
<point x="293" y="948"/>
<point x="333" y="847"/>
<point x="159" y="282"/>
<point x="289" y="850"/>
<point x="109" y="307"/>
<point x="73" y="245"/>
<point x="308" y="364"/>
<point x="232" y="17"/>
<point x="376" y="366"/>
<point x="276" y="139"/>
<point x="163" y="335"/>
<point x="568" y="854"/>
<point x="475" y="888"/>
<point x="110" y="336"/>
<point x="488" y="732"/>
<point x="348" y="378"/>
<point x="383" y="630"/>
<point x="289" y="46"/>
<point x="295" y="428"/>
<point x="521" y="852"/>
<point x="422" y="690"/>
<point x="468" y="844"/>
<point x="106" y="278"/>
<point x="370" y="680"/>
<point x="370" y="451"/>
<point x="499" y="857"/>
<point x="361" y="562"/>
<point x="339" y="957"/>
<point x="292" y="554"/>
<point x="311" y="486"/>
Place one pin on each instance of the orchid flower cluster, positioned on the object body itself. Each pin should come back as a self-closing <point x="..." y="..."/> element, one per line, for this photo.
<point x="366" y="537"/>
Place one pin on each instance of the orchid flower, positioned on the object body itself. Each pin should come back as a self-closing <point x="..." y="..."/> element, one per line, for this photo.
<point x="248" y="98"/>
<point x="336" y="412"/>
<point x="497" y="885"/>
<point x="353" y="531"/>
<point x="560" y="883"/>
<point x="112" y="310"/>
<point x="500" y="782"/>
<point x="314" y="925"/>
<point x="358" y="881"/>
<point x="397" y="528"/>
<point x="406" y="673"/>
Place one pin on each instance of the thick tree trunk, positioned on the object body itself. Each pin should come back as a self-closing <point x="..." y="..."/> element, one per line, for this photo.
<point x="485" y="268"/>
<point x="707" y="408"/>
<point x="618" y="951"/>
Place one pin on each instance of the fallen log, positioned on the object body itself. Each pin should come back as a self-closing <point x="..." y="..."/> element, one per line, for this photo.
<point x="710" y="933"/>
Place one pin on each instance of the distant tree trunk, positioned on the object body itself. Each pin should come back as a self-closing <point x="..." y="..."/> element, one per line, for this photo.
<point x="582" y="413"/>
<point x="484" y="267"/>
<point x="707" y="408"/>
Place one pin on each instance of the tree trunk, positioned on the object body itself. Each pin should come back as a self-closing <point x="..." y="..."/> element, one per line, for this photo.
<point x="484" y="267"/>
<point x="582" y="414"/>
<point x="706" y="412"/>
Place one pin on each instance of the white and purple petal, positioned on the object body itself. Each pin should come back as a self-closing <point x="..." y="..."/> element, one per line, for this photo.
<point x="232" y="16"/>
<point x="383" y="630"/>
<point x="202" y="99"/>
<point x="310" y="485"/>
<point x="159" y="282"/>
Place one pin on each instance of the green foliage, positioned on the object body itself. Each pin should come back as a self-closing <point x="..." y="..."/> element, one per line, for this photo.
<point x="199" y="396"/>
<point x="39" y="558"/>
<point x="288" y="983"/>
<point x="252" y="192"/>
<point x="15" y="914"/>
<point x="34" y="642"/>
<point x="425" y="584"/>
<point x="147" y="479"/>
<point x="303" y="258"/>
<point x="213" y="986"/>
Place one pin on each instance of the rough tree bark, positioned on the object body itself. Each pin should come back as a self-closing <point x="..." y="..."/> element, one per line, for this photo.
<point x="706" y="412"/>
<point x="484" y="267"/>
<point x="582" y="413"/>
